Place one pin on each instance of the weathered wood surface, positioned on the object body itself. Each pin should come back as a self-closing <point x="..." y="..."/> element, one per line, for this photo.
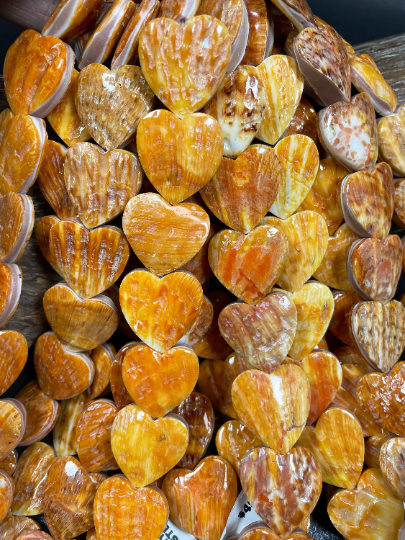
<point x="27" y="14"/>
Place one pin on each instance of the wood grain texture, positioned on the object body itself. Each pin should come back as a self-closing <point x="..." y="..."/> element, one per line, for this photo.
<point x="28" y="14"/>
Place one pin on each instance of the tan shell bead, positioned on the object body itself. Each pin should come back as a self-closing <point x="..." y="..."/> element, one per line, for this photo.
<point x="233" y="440"/>
<point x="18" y="216"/>
<point x="64" y="433"/>
<point x="391" y="143"/>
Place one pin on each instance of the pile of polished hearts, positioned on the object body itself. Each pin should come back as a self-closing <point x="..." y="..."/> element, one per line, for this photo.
<point x="194" y="166"/>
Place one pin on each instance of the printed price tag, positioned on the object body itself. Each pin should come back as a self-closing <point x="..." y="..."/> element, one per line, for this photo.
<point x="172" y="532"/>
<point x="242" y="515"/>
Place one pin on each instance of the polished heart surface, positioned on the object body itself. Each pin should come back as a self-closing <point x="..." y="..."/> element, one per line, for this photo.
<point x="199" y="265"/>
<point x="184" y="65"/>
<point x="367" y="201"/>
<point x="9" y="462"/>
<point x="64" y="432"/>
<point x="72" y="18"/>
<point x="348" y="132"/>
<point x="190" y="495"/>
<point x="392" y="465"/>
<point x="164" y="237"/>
<point x="299" y="160"/>
<point x="261" y="33"/>
<point x="370" y="512"/>
<point x="120" y="393"/>
<point x="37" y="73"/>
<point x="99" y="183"/>
<point x="13" y="357"/>
<point x="242" y="191"/>
<point x="259" y="532"/>
<point x="122" y="512"/>
<point x="233" y="440"/>
<point x="340" y="457"/>
<point x="30" y="479"/>
<point x="179" y="156"/>
<point x="303" y="122"/>
<point x="80" y="324"/>
<point x="382" y="398"/>
<point x="146" y="449"/>
<point x="238" y="106"/>
<point x="178" y="10"/>
<point x="160" y="311"/>
<point x="12" y="526"/>
<point x="261" y="334"/>
<point x="103" y="358"/>
<point x="333" y="269"/>
<point x="6" y="492"/>
<point x="340" y="324"/>
<point x="68" y="498"/>
<point x="283" y="85"/>
<point x="373" y="447"/>
<point x="374" y="267"/>
<point x="307" y="234"/>
<point x="62" y="374"/>
<point x="112" y="103"/>
<point x="378" y="332"/>
<point x="248" y="265"/>
<point x="351" y="355"/>
<point x="12" y="425"/>
<point x="16" y="226"/>
<point x="43" y="236"/>
<point x="399" y="203"/>
<point x="274" y="407"/>
<point x="282" y="489"/>
<point x="158" y="382"/>
<point x="90" y="261"/>
<point x="391" y="144"/>
<point x="201" y="325"/>
<point x="297" y="11"/>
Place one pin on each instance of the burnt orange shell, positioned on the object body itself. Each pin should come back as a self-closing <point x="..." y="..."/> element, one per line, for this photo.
<point x="70" y="19"/>
<point x="6" y="492"/>
<point x="399" y="203"/>
<point x="233" y="440"/>
<point x="9" y="462"/>
<point x="261" y="33"/>
<point x="373" y="447"/>
<point x="120" y="393"/>
<point x="303" y="123"/>
<point x="103" y="358"/>
<point x="17" y="213"/>
<point x="230" y="12"/>
<point x="12" y="425"/>
<point x="199" y="265"/>
<point x="391" y="144"/>
<point x="340" y="325"/>
<point x="351" y="355"/>
<point x="201" y="325"/>
<point x="43" y="234"/>
<point x="13" y="356"/>
<point x="392" y="465"/>
<point x="64" y="432"/>
<point x="12" y="526"/>
<point x="10" y="291"/>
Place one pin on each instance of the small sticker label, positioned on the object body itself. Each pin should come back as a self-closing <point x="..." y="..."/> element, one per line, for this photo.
<point x="242" y="515"/>
<point x="172" y="532"/>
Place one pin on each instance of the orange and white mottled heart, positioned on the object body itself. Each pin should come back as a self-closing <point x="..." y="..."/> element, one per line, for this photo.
<point x="190" y="508"/>
<point x="6" y="492"/>
<point x="90" y="261"/>
<point x="179" y="156"/>
<point x="80" y="324"/>
<point x="283" y="85"/>
<point x="160" y="310"/>
<point x="17" y="223"/>
<point x="378" y="332"/>
<point x="30" y="478"/>
<point x="248" y="265"/>
<point x="261" y="334"/>
<point x="238" y="106"/>
<point x="299" y="160"/>
<point x="282" y="489"/>
<point x="242" y="191"/>
<point x="324" y="194"/>
<point x="333" y="269"/>
<point x="233" y="440"/>
<point x="323" y="61"/>
<point x="158" y="382"/>
<point x="392" y="465"/>
<point x="341" y="457"/>
<point x="13" y="357"/>
<point x="104" y="98"/>
<point x="370" y="512"/>
<point x="178" y="10"/>
<point x="184" y="65"/>
<point x="274" y="407"/>
<point x="64" y="432"/>
<point x="71" y="18"/>
<point x="324" y="374"/>
<point x="12" y="425"/>
<point x="261" y="33"/>
<point x="164" y="237"/>
<point x="391" y="144"/>
<point x="99" y="183"/>
<point x="37" y="73"/>
<point x="201" y="325"/>
<point x="61" y="373"/>
<point x="146" y="449"/>
<point x="374" y="267"/>
<point x="348" y="132"/>
<point x="42" y="234"/>
<point x="257" y="531"/>
<point x="122" y="512"/>
<point x="307" y="234"/>
<point x="22" y="141"/>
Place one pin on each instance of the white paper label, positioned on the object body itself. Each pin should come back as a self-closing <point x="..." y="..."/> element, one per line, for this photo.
<point x="172" y="532"/>
<point x="242" y="515"/>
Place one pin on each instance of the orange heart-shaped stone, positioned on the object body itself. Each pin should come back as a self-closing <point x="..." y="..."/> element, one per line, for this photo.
<point x="160" y="310"/>
<point x="186" y="492"/>
<point x="90" y="261"/>
<point x="201" y="325"/>
<point x="372" y="190"/>
<point x="158" y="382"/>
<point x="17" y="213"/>
<point x="233" y="440"/>
<point x="391" y="145"/>
<point x="104" y="97"/>
<point x="199" y="265"/>
<point x="103" y="358"/>
<point x="307" y="234"/>
<point x="9" y="462"/>
<point x="120" y="393"/>
<point x="93" y="435"/>
<point x="30" y="479"/>
<point x="392" y="465"/>
<point x="100" y="183"/>
<point x="261" y="33"/>
<point x="341" y="457"/>
<point x="64" y="432"/>
<point x="274" y="407"/>
<point x="261" y="334"/>
<point x="370" y="512"/>
<point x="340" y="324"/>
<point x="197" y="412"/>
<point x="164" y="237"/>
<point x="43" y="236"/>
<point x="10" y="290"/>
<point x="68" y="498"/>
<point x="202" y="47"/>
<point x="146" y="449"/>
<point x="249" y="265"/>
<point x="256" y="531"/>
<point x="242" y="191"/>
<point x="373" y="447"/>
<point x="7" y="494"/>
<point x="70" y="19"/>
<point x="12" y="425"/>
<point x="304" y="123"/>
<point x="12" y="526"/>
<point x="13" y="356"/>
<point x="62" y="374"/>
<point x="179" y="156"/>
<point x="121" y="511"/>
<point x="351" y="355"/>
<point x="37" y="73"/>
<point x="80" y="324"/>
<point x="282" y="489"/>
<point x="178" y="10"/>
